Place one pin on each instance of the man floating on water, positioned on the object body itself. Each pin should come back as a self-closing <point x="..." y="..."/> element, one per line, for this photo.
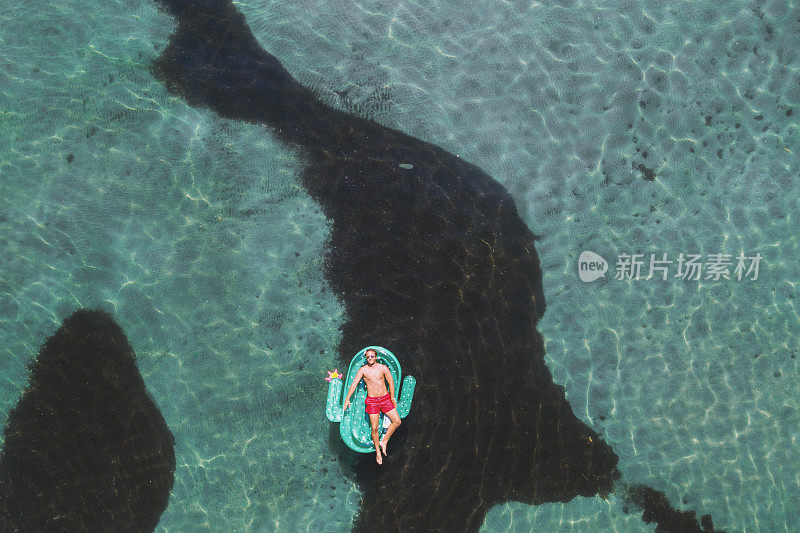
<point x="375" y="375"/>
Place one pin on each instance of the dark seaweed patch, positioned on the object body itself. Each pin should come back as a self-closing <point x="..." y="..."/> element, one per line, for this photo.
<point x="647" y="173"/>
<point x="86" y="449"/>
<point x="657" y="509"/>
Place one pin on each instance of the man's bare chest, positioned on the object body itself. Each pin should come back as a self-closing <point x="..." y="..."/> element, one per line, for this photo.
<point x="374" y="376"/>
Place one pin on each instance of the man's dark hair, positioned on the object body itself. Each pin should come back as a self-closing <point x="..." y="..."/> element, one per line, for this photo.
<point x="371" y="350"/>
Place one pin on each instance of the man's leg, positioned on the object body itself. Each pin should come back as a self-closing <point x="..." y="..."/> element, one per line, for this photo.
<point x="373" y="422"/>
<point x="395" y="418"/>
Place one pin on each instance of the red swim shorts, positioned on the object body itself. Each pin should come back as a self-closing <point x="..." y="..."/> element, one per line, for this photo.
<point x="375" y="404"/>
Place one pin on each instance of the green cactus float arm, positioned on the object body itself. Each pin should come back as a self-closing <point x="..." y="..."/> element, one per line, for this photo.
<point x="333" y="408"/>
<point x="406" y="395"/>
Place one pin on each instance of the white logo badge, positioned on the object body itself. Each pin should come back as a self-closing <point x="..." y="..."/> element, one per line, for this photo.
<point x="591" y="266"/>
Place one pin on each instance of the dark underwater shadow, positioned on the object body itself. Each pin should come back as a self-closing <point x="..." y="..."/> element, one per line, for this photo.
<point x="431" y="260"/>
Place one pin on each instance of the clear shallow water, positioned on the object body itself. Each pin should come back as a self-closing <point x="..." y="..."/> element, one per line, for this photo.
<point x="194" y="233"/>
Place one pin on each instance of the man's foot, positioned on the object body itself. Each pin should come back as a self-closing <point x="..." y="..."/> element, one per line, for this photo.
<point x="383" y="446"/>
<point x="378" y="457"/>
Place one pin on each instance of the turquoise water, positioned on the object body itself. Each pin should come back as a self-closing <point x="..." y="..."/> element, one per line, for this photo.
<point x="194" y="233"/>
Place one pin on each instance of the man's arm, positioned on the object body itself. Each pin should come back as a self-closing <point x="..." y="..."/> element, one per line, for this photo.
<point x="388" y="374"/>
<point x="358" y="377"/>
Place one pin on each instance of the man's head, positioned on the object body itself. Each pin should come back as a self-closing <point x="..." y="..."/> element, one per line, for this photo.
<point x="372" y="356"/>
